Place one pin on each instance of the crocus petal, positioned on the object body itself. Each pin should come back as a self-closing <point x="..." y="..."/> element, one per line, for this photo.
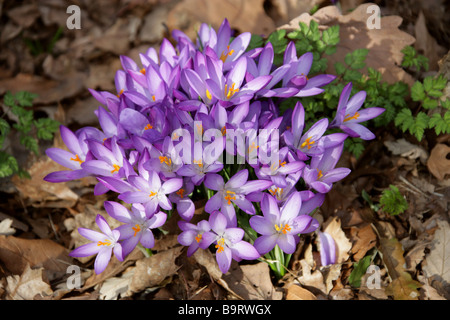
<point x="261" y="225"/>
<point x="291" y="207"/>
<point x="148" y="239"/>
<point x="255" y="186"/>
<point x="117" y="211"/>
<point x="172" y="185"/>
<point x="186" y="209"/>
<point x="213" y="203"/>
<point x="63" y="157"/>
<point x="245" y="250"/>
<point x="186" y="238"/>
<point x="85" y="250"/>
<point x="287" y="243"/>
<point x="103" y="225"/>
<point x="224" y="259"/>
<point x="356" y="130"/>
<point x="327" y="249"/>
<point x="265" y="244"/>
<point x="238" y="179"/>
<point x="102" y="260"/>
<point x="355" y="102"/>
<point x="129" y="244"/>
<point x="134" y="197"/>
<point x="214" y="181"/>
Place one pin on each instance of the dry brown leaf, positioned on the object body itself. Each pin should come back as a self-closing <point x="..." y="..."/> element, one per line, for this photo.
<point x="48" y="91"/>
<point x="295" y="292"/>
<point x="24" y="15"/>
<point x="384" y="44"/>
<point x="406" y="149"/>
<point x="252" y="282"/>
<point x="152" y="271"/>
<point x="402" y="287"/>
<point x="246" y="16"/>
<point x="437" y="163"/>
<point x="17" y="253"/>
<point x="28" y="285"/>
<point x="312" y="280"/>
<point x="363" y="240"/>
<point x="42" y="193"/>
<point x="333" y="227"/>
<point x="206" y="259"/>
<point x="282" y="11"/>
<point x="438" y="260"/>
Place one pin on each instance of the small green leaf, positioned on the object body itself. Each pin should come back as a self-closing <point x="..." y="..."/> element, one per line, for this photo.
<point x="8" y="165"/>
<point x="392" y="201"/>
<point x="359" y="269"/>
<point x="418" y="91"/>
<point x="30" y="143"/>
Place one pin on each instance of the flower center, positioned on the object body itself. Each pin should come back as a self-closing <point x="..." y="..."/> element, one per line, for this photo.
<point x="77" y="158"/>
<point x="136" y="228"/>
<point x="180" y="193"/>
<point x="283" y="228"/>
<point x="152" y="194"/>
<point x="120" y="93"/>
<point x="220" y="246"/>
<point x="199" y="163"/>
<point x="308" y="143"/>
<point x="142" y="71"/>
<point x="252" y="147"/>
<point x="277" y="192"/>
<point x="208" y="94"/>
<point x="348" y="118"/>
<point x="149" y="126"/>
<point x="116" y="168"/>
<point x="198" y="238"/>
<point x="229" y="92"/>
<point x="229" y="196"/>
<point x="223" y="130"/>
<point x="225" y="54"/>
<point x="107" y="242"/>
<point x="319" y="174"/>
<point x="166" y="160"/>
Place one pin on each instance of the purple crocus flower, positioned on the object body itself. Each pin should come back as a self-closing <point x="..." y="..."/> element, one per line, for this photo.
<point x="312" y="142"/>
<point x="71" y="159"/>
<point x="349" y="115"/>
<point x="185" y="205"/>
<point x="327" y="249"/>
<point x="280" y="226"/>
<point x="234" y="191"/>
<point x="297" y="76"/>
<point x="150" y="191"/>
<point x="321" y="173"/>
<point x="229" y="89"/>
<point x="229" y="243"/>
<point x="277" y="171"/>
<point x="137" y="225"/>
<point x="104" y="243"/>
<point x="192" y="235"/>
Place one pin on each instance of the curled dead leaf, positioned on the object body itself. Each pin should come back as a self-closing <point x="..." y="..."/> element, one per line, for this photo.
<point x="438" y="163"/>
<point x="28" y="285"/>
<point x="295" y="292"/>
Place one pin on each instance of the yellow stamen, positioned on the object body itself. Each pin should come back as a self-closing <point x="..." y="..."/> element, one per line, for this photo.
<point x="252" y="147"/>
<point x="116" y="168"/>
<point x="107" y="242"/>
<point x="152" y="194"/>
<point x="153" y="98"/>
<point x="166" y="160"/>
<point x="142" y="71"/>
<point x="180" y="193"/>
<point x="198" y="238"/>
<point x="228" y="197"/>
<point x="200" y="129"/>
<point x="319" y="174"/>
<point x="224" y="130"/>
<point x="231" y="91"/>
<point x="136" y="229"/>
<point x="149" y="126"/>
<point x="348" y="118"/>
<point x="199" y="163"/>
<point x="225" y="54"/>
<point x="77" y="158"/>
<point x="208" y="94"/>
<point x="220" y="245"/>
<point x="120" y="93"/>
<point x="307" y="143"/>
<point x="175" y="136"/>
<point x="283" y="228"/>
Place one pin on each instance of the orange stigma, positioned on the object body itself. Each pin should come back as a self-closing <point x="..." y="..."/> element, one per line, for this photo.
<point x="77" y="158"/>
<point x="348" y="118"/>
<point x="136" y="229"/>
<point x="308" y="143"/>
<point x="116" y="168"/>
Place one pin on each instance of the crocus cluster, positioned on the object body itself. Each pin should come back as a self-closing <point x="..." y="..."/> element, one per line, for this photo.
<point x="200" y="118"/>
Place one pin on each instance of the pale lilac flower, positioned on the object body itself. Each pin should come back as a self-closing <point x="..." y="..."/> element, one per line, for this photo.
<point x="229" y="243"/>
<point x="321" y="173"/>
<point x="150" y="191"/>
<point x="104" y="243"/>
<point x="281" y="226"/>
<point x="192" y="235"/>
<point x="349" y="115"/>
<point x="137" y="226"/>
<point x="234" y="191"/>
